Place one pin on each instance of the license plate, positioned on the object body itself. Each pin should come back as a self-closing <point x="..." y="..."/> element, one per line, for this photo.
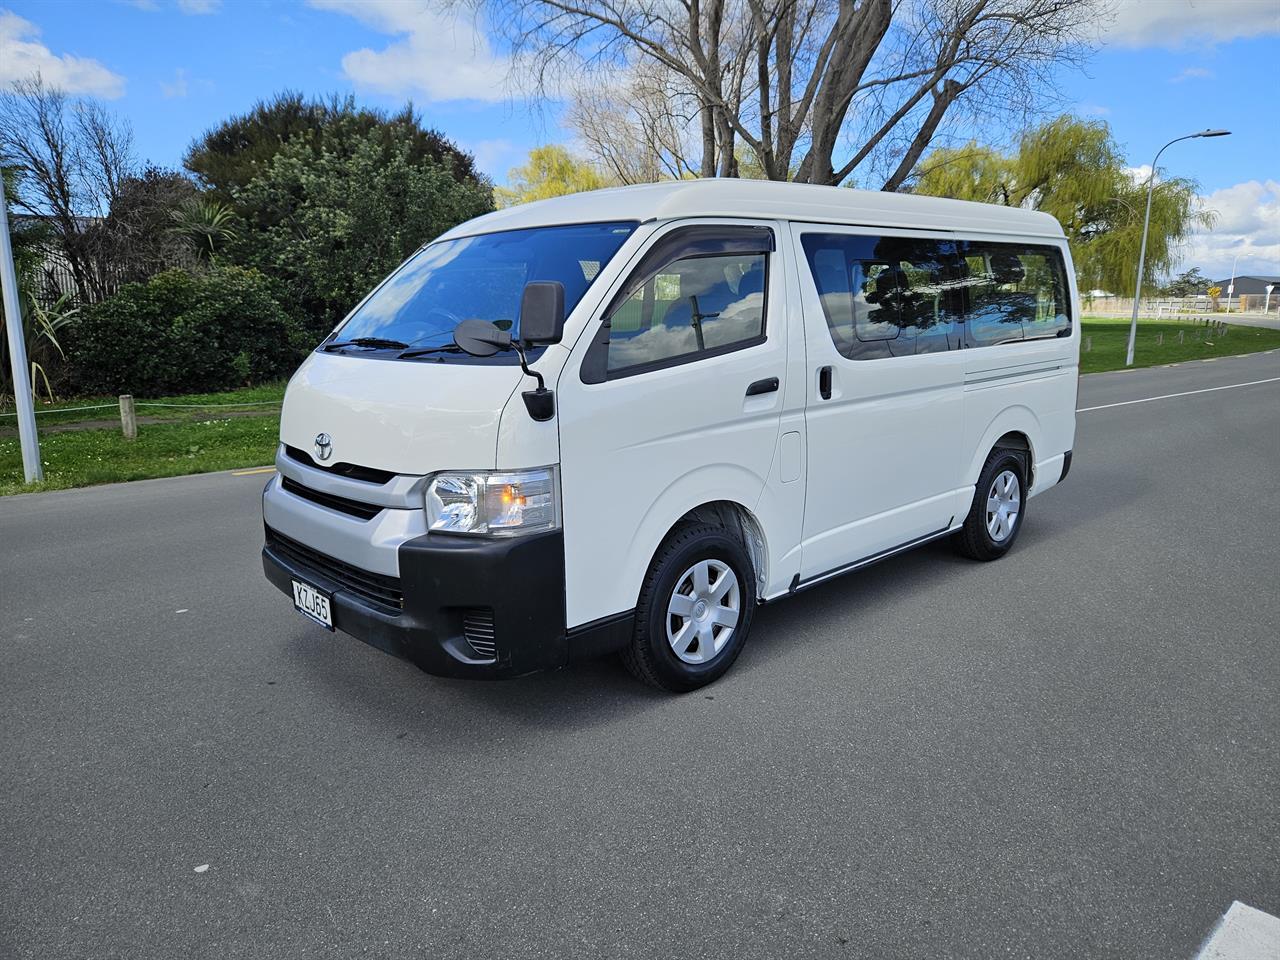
<point x="312" y="603"/>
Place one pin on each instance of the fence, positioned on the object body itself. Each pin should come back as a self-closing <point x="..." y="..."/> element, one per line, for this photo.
<point x="1161" y="307"/>
<point x="128" y="409"/>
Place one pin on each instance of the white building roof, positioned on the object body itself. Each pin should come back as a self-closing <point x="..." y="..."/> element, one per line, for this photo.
<point x="764" y="199"/>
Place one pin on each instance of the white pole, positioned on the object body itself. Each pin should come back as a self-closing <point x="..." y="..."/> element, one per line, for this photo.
<point x="1266" y="304"/>
<point x="1231" y="287"/>
<point x="18" y="353"/>
<point x="1146" y="222"/>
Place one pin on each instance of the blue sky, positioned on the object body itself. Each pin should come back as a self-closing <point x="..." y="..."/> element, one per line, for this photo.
<point x="176" y="67"/>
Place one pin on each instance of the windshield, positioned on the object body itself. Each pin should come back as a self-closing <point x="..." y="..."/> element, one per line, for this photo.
<point x="479" y="277"/>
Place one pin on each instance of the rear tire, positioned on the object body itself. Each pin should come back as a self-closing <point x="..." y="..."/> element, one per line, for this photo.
<point x="694" y="611"/>
<point x="999" y="507"/>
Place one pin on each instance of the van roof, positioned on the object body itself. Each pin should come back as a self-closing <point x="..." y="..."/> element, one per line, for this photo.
<point x="677" y="199"/>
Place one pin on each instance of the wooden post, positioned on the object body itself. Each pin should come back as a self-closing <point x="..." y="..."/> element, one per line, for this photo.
<point x="1088" y="344"/>
<point x="1180" y="337"/>
<point x="128" y="419"/>
<point x="1160" y="339"/>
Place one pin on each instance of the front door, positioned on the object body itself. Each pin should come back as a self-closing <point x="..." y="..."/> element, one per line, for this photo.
<point x="672" y="402"/>
<point x="884" y="410"/>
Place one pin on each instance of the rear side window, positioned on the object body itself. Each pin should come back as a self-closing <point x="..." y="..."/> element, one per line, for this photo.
<point x="904" y="296"/>
<point x="885" y="296"/>
<point x="1012" y="292"/>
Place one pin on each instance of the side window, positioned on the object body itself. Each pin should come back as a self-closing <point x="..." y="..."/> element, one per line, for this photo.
<point x="1013" y="292"/>
<point x="699" y="291"/>
<point x="885" y="296"/>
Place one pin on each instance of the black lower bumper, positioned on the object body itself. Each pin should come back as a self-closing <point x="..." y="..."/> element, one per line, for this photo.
<point x="448" y="584"/>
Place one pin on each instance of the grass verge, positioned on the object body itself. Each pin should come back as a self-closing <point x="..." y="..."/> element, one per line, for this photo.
<point x="196" y="441"/>
<point x="1110" y="336"/>
<point x="81" y="458"/>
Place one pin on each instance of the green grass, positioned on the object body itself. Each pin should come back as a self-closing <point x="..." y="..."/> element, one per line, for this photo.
<point x="79" y="458"/>
<point x="1111" y="337"/>
<point x="196" y="441"/>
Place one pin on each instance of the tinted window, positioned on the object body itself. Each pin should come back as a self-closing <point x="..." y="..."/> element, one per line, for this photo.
<point x="1012" y="292"/>
<point x="482" y="277"/>
<point x="885" y="296"/>
<point x="690" y="305"/>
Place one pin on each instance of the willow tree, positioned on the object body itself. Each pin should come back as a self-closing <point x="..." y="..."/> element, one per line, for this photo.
<point x="1074" y="170"/>
<point x="815" y="90"/>
<point x="551" y="171"/>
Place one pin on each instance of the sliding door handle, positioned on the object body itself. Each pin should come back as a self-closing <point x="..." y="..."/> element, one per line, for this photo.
<point x="824" y="382"/>
<point x="763" y="386"/>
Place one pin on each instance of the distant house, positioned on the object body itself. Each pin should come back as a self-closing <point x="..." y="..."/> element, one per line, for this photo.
<point x="1251" y="286"/>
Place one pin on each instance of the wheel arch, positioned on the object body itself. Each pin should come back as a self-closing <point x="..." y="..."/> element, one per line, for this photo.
<point x="728" y="511"/>
<point x="1016" y="428"/>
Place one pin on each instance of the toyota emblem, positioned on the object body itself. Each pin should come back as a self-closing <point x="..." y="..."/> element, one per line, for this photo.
<point x="324" y="446"/>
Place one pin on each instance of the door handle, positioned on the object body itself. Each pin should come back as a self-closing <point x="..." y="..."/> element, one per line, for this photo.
<point x="824" y="382"/>
<point x="763" y="386"/>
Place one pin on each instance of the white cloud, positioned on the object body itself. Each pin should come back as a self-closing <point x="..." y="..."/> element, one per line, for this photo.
<point x="178" y="88"/>
<point x="22" y="56"/>
<point x="493" y="156"/>
<point x="199" y="7"/>
<point x="1192" y="73"/>
<point x="439" y="55"/>
<point x="1248" y="227"/>
<point x="1176" y="23"/>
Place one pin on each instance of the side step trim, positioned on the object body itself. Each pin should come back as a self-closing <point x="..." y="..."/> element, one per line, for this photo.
<point x="797" y="585"/>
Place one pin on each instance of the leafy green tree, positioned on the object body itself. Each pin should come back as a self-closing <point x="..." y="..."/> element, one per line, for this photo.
<point x="551" y="171"/>
<point x="1074" y="170"/>
<point x="332" y="224"/>
<point x="229" y="156"/>
<point x="1189" y="283"/>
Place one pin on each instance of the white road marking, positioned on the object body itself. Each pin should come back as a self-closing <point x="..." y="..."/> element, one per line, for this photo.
<point x="202" y="868"/>
<point x="1170" y="396"/>
<point x="1243" y="933"/>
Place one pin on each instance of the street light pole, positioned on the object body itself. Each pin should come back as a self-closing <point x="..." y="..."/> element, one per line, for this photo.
<point x="1146" y="222"/>
<point x="31" y="466"/>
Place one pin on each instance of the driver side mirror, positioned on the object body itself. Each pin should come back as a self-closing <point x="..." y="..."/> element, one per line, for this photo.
<point x="542" y="312"/>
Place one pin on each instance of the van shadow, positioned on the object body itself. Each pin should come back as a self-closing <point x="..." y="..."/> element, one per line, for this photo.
<point x="602" y="692"/>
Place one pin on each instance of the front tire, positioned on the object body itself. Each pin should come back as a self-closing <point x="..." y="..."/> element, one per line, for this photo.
<point x="999" y="507"/>
<point x="695" y="609"/>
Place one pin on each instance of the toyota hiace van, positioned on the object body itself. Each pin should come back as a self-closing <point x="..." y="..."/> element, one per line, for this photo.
<point x="618" y="421"/>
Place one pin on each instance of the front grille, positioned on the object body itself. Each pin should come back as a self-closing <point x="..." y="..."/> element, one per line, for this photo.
<point x="352" y="471"/>
<point x="477" y="627"/>
<point x="352" y="508"/>
<point x="377" y="588"/>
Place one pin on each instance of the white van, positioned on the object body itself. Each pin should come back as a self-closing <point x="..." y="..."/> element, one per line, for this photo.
<point x="619" y="420"/>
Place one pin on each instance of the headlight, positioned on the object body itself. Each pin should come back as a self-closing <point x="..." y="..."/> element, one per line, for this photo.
<point x="489" y="502"/>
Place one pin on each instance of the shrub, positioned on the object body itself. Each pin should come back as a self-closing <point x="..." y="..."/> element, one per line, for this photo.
<point x="332" y="226"/>
<point x="186" y="332"/>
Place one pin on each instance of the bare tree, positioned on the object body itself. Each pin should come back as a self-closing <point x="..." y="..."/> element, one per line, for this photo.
<point x="638" y="130"/>
<point x="790" y="80"/>
<point x="73" y="158"/>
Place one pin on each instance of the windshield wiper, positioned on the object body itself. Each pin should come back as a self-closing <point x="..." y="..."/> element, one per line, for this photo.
<point x="378" y="343"/>
<point x="422" y="351"/>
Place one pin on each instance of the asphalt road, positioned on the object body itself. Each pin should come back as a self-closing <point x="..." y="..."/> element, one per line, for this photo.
<point x="1073" y="753"/>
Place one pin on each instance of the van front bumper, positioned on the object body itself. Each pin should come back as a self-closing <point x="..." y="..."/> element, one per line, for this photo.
<point x="468" y="607"/>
